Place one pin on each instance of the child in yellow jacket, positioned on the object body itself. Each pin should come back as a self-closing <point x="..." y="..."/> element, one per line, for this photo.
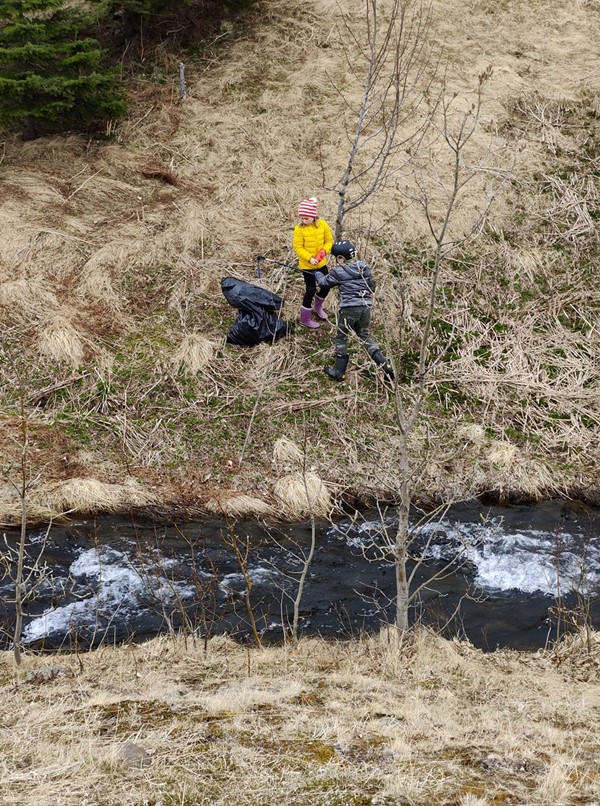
<point x="312" y="244"/>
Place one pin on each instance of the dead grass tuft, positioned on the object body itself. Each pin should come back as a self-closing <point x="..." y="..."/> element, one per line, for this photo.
<point x="88" y="495"/>
<point x="472" y="432"/>
<point x="98" y="272"/>
<point x="194" y="353"/>
<point x="502" y="454"/>
<point x="302" y="494"/>
<point x="533" y="477"/>
<point x="59" y="340"/>
<point x="287" y="456"/>
<point x="237" y="505"/>
<point x="579" y="654"/>
<point x="25" y="299"/>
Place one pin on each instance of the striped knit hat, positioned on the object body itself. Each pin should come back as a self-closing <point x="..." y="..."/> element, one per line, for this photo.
<point x="308" y="208"/>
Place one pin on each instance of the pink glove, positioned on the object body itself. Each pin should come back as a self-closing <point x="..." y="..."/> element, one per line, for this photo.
<point x="320" y="255"/>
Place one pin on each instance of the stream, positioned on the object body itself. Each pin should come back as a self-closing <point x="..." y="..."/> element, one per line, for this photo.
<point x="497" y="576"/>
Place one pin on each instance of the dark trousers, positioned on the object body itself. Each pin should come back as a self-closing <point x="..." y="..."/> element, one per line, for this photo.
<point x="311" y="286"/>
<point x="354" y="319"/>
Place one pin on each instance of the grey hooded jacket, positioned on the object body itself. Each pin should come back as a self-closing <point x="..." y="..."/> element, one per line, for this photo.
<point x="355" y="281"/>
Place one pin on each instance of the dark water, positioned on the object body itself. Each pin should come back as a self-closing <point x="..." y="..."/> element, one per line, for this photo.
<point x="498" y="576"/>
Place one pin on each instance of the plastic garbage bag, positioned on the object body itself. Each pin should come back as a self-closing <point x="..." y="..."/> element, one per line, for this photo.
<point x="259" y="312"/>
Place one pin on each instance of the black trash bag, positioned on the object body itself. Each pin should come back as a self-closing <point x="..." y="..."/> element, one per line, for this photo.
<point x="258" y="316"/>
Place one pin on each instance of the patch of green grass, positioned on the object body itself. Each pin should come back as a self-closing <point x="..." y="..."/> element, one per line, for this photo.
<point x="76" y="426"/>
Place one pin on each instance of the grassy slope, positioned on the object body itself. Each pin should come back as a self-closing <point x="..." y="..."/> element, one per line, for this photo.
<point x="326" y="724"/>
<point x="110" y="258"/>
<point x="112" y="252"/>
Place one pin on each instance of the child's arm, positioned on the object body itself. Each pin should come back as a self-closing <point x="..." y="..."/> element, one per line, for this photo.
<point x="326" y="280"/>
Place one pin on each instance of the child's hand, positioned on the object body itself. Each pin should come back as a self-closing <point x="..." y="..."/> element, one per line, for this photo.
<point x="313" y="261"/>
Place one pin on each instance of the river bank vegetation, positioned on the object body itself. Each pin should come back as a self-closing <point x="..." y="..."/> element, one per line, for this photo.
<point x="113" y="247"/>
<point x="176" y="722"/>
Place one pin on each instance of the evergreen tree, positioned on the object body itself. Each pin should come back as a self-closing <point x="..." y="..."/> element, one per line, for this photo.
<point x="210" y="8"/>
<point x="51" y="73"/>
<point x="184" y="21"/>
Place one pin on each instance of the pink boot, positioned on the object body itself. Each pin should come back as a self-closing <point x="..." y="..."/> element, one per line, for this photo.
<point x="318" y="308"/>
<point x="306" y="319"/>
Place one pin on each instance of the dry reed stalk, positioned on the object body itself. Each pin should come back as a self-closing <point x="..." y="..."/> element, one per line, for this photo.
<point x="305" y="405"/>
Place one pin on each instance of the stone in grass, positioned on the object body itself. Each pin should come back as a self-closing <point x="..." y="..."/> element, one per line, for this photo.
<point x="130" y="755"/>
<point x="47" y="673"/>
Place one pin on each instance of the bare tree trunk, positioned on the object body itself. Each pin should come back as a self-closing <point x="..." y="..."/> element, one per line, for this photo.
<point x="19" y="592"/>
<point x="402" y="542"/>
<point x="19" y="582"/>
<point x="302" y="580"/>
<point x="182" y="84"/>
<point x="402" y="588"/>
<point x="313" y="540"/>
<point x="30" y="130"/>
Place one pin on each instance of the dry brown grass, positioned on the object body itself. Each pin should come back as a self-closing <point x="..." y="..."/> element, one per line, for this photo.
<point x="194" y="353"/>
<point x="239" y="505"/>
<point x="76" y="496"/>
<point x="24" y="298"/>
<point x="59" y="341"/>
<point x="324" y="723"/>
<point x="301" y="494"/>
<point x="112" y="253"/>
<point x="287" y="456"/>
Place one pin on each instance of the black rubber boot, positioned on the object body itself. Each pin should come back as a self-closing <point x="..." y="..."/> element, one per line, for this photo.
<point x="379" y="358"/>
<point x="337" y="373"/>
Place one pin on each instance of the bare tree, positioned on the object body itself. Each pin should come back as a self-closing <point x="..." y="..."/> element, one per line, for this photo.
<point x="19" y="581"/>
<point x="385" y="126"/>
<point x="307" y="557"/>
<point x="241" y="545"/>
<point x="26" y="573"/>
<point x="400" y="127"/>
<point x="380" y="545"/>
<point x="443" y="181"/>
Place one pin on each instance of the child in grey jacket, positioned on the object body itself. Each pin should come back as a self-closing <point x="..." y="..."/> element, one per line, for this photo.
<point x="356" y="285"/>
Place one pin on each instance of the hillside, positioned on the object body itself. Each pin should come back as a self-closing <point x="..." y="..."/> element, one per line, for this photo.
<point x="112" y="251"/>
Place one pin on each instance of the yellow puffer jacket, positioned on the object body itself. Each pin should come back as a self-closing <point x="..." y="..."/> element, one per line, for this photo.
<point x="309" y="240"/>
